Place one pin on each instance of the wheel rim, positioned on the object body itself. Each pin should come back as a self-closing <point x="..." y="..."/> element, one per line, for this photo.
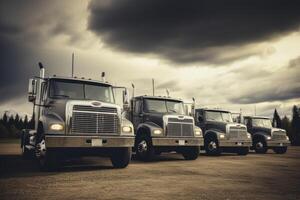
<point x="259" y="145"/>
<point x="41" y="149"/>
<point x="212" y="145"/>
<point x="142" y="146"/>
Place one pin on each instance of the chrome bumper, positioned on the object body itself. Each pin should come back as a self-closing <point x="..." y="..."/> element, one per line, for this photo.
<point x="236" y="143"/>
<point x="55" y="141"/>
<point x="278" y="143"/>
<point x="179" y="141"/>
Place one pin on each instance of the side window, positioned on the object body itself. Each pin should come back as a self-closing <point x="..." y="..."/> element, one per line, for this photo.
<point x="137" y="106"/>
<point x="45" y="89"/>
<point x="199" y="113"/>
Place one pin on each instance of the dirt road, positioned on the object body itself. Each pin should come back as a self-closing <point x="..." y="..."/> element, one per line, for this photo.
<point x="229" y="176"/>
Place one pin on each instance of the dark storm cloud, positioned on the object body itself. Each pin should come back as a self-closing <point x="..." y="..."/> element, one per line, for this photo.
<point x="191" y="31"/>
<point x="268" y="95"/>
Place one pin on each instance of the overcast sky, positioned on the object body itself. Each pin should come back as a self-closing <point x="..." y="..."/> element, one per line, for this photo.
<point x="230" y="54"/>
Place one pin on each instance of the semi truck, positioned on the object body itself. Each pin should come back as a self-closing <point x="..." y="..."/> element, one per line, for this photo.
<point x="220" y="133"/>
<point x="265" y="136"/>
<point x="161" y="125"/>
<point x="76" y="117"/>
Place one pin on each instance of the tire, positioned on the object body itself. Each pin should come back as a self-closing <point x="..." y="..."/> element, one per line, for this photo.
<point x="191" y="153"/>
<point x="26" y="153"/>
<point x="280" y="150"/>
<point x="260" y="146"/>
<point x="211" y="146"/>
<point x="243" y="151"/>
<point x="144" y="148"/>
<point x="121" y="157"/>
<point x="48" y="160"/>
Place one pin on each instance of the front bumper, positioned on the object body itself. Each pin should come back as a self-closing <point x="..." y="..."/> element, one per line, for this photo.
<point x="178" y="141"/>
<point x="235" y="143"/>
<point x="278" y="143"/>
<point x="55" y="141"/>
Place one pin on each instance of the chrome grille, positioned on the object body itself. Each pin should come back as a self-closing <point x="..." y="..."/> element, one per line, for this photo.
<point x="239" y="133"/>
<point x="180" y="128"/>
<point x="278" y="135"/>
<point x="94" y="120"/>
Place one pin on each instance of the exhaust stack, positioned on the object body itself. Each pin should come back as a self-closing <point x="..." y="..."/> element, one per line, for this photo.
<point x="103" y="76"/>
<point x="42" y="70"/>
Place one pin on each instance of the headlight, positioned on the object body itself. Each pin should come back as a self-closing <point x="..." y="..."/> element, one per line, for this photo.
<point x="56" y="127"/>
<point x="126" y="129"/>
<point x="222" y="136"/>
<point x="269" y="138"/>
<point x="157" y="132"/>
<point x="248" y="135"/>
<point x="287" y="138"/>
<point x="198" y="132"/>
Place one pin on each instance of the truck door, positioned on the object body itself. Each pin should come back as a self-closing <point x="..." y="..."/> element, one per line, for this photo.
<point x="200" y="119"/>
<point x="137" y="116"/>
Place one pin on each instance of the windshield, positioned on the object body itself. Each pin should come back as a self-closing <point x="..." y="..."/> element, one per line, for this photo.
<point x="81" y="90"/>
<point x="262" y="123"/>
<point x="164" y="106"/>
<point x="218" y="116"/>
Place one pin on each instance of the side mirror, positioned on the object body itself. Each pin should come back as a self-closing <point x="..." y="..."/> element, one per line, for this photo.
<point x="32" y="89"/>
<point x="125" y="99"/>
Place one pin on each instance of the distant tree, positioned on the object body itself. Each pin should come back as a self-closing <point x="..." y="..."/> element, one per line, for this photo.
<point x="17" y="121"/>
<point x="276" y="120"/>
<point x="5" y="120"/>
<point x="31" y="122"/>
<point x="296" y="125"/>
<point x="25" y="122"/>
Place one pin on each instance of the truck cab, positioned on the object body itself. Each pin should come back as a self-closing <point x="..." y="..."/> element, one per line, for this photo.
<point x="265" y="136"/>
<point x="221" y="134"/>
<point x="75" y="117"/>
<point x="161" y="125"/>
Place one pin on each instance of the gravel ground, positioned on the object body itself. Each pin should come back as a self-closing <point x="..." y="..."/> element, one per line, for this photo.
<point x="229" y="176"/>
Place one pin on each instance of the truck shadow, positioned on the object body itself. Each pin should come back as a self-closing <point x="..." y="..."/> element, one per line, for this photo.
<point x="16" y="166"/>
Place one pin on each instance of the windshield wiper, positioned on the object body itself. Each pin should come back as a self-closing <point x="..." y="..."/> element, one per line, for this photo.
<point x="174" y="111"/>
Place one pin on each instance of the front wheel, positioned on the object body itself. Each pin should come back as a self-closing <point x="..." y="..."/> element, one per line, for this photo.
<point x="280" y="150"/>
<point x="26" y="153"/>
<point x="243" y="151"/>
<point x="191" y="153"/>
<point x="211" y="146"/>
<point x="121" y="157"/>
<point x="260" y="146"/>
<point x="144" y="148"/>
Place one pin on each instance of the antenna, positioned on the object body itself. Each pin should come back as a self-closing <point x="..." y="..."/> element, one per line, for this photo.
<point x="132" y="89"/>
<point x="72" y="65"/>
<point x="103" y="76"/>
<point x="168" y="92"/>
<point x="153" y="86"/>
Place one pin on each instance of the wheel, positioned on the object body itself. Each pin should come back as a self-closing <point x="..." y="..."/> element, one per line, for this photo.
<point x="48" y="160"/>
<point x="26" y="153"/>
<point x="243" y="151"/>
<point x="211" y="146"/>
<point x="280" y="150"/>
<point x="144" y="148"/>
<point x="121" y="157"/>
<point x="260" y="146"/>
<point x="191" y="153"/>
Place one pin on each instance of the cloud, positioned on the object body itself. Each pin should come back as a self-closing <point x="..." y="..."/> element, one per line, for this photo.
<point x="192" y="31"/>
<point x="294" y="62"/>
<point x="281" y="85"/>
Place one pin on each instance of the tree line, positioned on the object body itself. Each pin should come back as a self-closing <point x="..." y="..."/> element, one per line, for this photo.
<point x="11" y="126"/>
<point x="292" y="126"/>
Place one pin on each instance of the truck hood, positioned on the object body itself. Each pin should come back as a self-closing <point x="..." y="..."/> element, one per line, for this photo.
<point x="160" y="118"/>
<point x="61" y="107"/>
<point x="221" y="126"/>
<point x="268" y="131"/>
